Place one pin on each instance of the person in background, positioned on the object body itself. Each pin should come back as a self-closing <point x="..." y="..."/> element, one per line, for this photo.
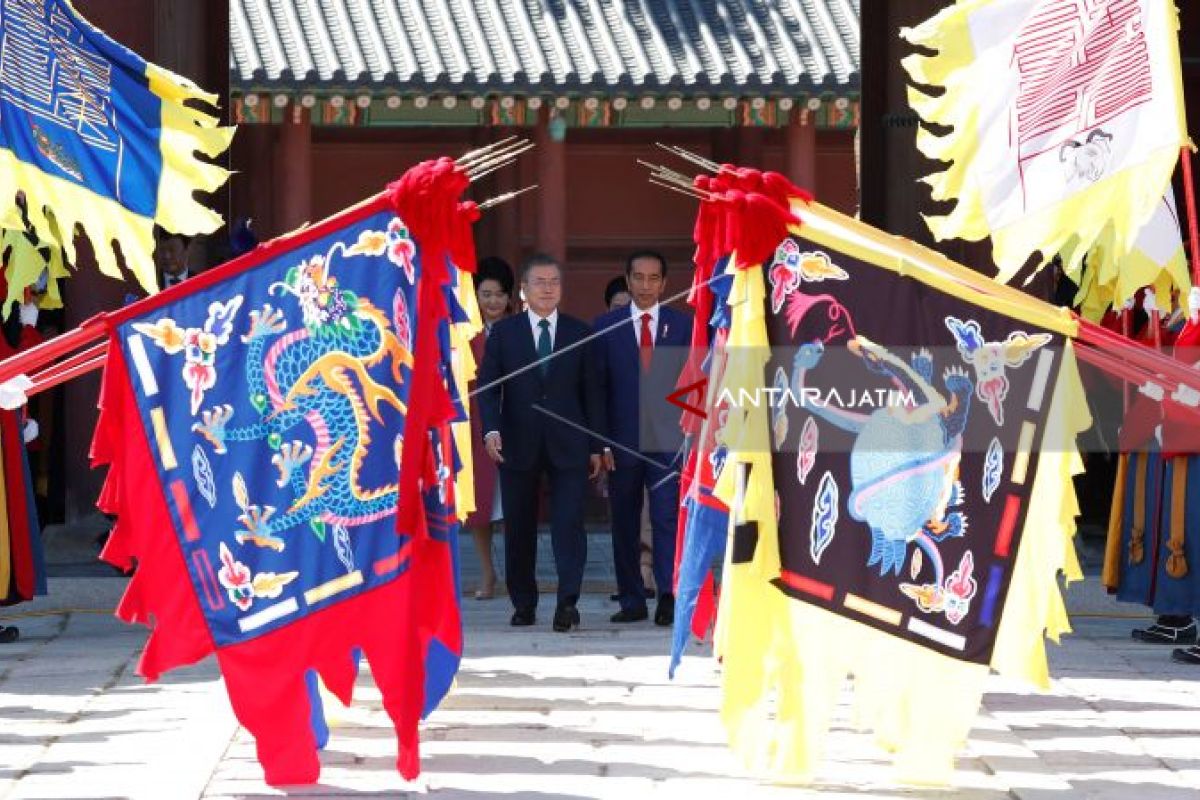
<point x="18" y="322"/>
<point x="171" y="258"/>
<point x="493" y="291"/>
<point x="639" y="353"/>
<point x="540" y="401"/>
<point x="616" y="293"/>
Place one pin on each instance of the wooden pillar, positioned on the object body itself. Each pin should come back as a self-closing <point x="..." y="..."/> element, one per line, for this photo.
<point x="801" y="150"/>
<point x="179" y="45"/>
<point x="893" y="198"/>
<point x="293" y="171"/>
<point x="551" y="237"/>
<point x="253" y="148"/>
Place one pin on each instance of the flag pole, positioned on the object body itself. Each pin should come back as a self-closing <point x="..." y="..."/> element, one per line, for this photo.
<point x="1189" y="195"/>
<point x="83" y="362"/>
<point x="1127" y="332"/>
<point x="61" y="374"/>
<point x="39" y="356"/>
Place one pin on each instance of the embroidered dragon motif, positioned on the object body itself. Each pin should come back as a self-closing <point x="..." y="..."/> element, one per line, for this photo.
<point x="318" y="376"/>
<point x="904" y="461"/>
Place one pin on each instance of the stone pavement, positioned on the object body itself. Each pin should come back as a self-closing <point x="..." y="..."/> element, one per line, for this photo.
<point x="543" y="715"/>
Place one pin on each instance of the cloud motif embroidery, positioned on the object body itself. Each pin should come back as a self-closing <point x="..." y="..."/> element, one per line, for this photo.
<point x="993" y="466"/>
<point x="824" y="518"/>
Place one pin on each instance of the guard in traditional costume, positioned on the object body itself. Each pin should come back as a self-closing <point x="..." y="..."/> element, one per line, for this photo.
<point x="1153" y="546"/>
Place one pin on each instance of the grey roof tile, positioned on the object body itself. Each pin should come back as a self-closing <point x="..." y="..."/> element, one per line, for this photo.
<point x="689" y="46"/>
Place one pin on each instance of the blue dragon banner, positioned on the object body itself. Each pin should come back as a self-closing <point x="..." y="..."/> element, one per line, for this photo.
<point x="255" y="420"/>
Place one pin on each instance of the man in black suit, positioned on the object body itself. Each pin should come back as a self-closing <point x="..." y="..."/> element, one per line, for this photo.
<point x="171" y="258"/>
<point x="539" y="399"/>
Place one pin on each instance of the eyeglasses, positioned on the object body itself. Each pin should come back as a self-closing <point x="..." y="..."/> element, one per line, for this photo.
<point x="545" y="283"/>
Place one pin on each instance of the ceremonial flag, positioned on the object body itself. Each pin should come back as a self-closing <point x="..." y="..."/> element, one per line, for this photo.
<point x="99" y="138"/>
<point x="703" y="520"/>
<point x="1157" y="260"/>
<point x="898" y="486"/>
<point x="255" y="420"/>
<point x="1067" y="121"/>
<point x="32" y="268"/>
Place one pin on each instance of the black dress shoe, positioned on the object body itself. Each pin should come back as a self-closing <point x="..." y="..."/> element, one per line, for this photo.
<point x="9" y="634"/>
<point x="565" y="618"/>
<point x="523" y="617"/>
<point x="1186" y="655"/>
<point x="1166" y="634"/>
<point x="627" y="615"/>
<point x="664" y="615"/>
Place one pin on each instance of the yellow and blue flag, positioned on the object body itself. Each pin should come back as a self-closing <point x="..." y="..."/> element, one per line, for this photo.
<point x="99" y="138"/>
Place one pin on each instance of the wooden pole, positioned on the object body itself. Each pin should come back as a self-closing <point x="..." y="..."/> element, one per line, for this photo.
<point x="1127" y="332"/>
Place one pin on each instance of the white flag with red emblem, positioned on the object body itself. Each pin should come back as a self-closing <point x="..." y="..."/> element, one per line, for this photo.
<point x="1067" y="121"/>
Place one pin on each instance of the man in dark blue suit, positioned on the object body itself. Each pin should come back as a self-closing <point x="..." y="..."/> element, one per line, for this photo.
<point x="640" y="352"/>
<point x="540" y="402"/>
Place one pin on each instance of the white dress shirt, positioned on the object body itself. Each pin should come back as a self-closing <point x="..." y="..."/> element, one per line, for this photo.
<point x="534" y="319"/>
<point x="637" y="322"/>
<point x="171" y="280"/>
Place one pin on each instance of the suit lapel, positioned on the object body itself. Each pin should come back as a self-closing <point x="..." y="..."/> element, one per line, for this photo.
<point x="629" y="334"/>
<point x="660" y="335"/>
<point x="525" y="337"/>
<point x="561" y="340"/>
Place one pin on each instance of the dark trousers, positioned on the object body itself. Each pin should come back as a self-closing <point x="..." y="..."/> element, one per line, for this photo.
<point x="625" y="494"/>
<point x="520" y="490"/>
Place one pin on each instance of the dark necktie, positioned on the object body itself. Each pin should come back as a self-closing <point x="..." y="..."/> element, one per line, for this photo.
<point x="543" y="345"/>
<point x="646" y="343"/>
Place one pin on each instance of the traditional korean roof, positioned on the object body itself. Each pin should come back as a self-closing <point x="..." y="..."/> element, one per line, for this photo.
<point x="743" y="48"/>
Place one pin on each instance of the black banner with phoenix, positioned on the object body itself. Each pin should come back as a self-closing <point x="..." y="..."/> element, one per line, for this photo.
<point x="906" y="425"/>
